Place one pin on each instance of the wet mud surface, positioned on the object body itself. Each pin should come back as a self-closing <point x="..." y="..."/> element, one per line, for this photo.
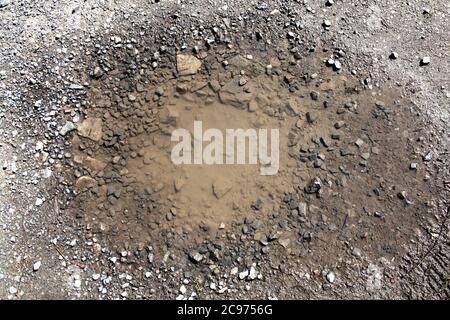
<point x="93" y="207"/>
<point x="351" y="179"/>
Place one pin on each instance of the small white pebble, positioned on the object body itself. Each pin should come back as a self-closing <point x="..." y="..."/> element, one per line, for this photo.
<point x="183" y="289"/>
<point x="36" y="266"/>
<point x="39" y="202"/>
<point x="425" y="60"/>
<point x="331" y="277"/>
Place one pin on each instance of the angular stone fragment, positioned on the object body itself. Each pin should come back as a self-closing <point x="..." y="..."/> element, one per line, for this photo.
<point x="252" y="106"/>
<point x="94" y="164"/>
<point x="195" y="256"/>
<point x="221" y="187"/>
<point x="293" y="106"/>
<point x="187" y="64"/>
<point x="91" y="128"/>
<point x="68" y="127"/>
<point x="178" y="184"/>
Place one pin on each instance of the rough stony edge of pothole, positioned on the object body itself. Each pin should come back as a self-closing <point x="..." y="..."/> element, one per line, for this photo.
<point x="58" y="89"/>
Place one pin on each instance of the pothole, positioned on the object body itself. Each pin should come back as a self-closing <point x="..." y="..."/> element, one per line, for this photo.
<point x="338" y="173"/>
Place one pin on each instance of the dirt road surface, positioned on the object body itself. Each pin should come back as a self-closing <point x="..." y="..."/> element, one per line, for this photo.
<point x="92" y="208"/>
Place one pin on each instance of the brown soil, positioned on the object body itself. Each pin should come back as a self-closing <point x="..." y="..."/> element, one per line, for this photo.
<point x="330" y="189"/>
<point x="91" y="207"/>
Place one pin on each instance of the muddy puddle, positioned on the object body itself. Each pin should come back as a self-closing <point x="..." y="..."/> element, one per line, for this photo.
<point x="345" y="155"/>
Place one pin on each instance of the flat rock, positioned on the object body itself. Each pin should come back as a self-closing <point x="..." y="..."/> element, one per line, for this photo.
<point x="187" y="64"/>
<point x="239" y="61"/>
<point x="253" y="106"/>
<point x="359" y="142"/>
<point x="284" y="242"/>
<point x="94" y="164"/>
<point x="91" y="128"/>
<point x="221" y="187"/>
<point x="232" y="94"/>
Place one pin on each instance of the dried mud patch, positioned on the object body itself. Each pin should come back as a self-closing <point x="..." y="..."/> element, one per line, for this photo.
<point x="351" y="180"/>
